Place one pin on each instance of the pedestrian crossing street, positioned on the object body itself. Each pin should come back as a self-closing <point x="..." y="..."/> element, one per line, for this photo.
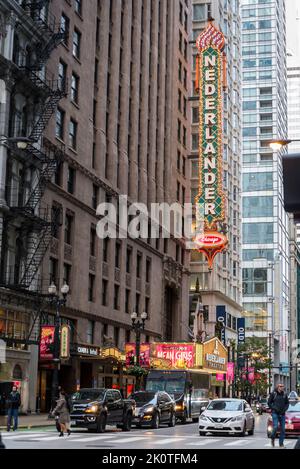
<point x="117" y="439"/>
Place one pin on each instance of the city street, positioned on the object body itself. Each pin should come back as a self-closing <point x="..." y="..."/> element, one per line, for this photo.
<point x="181" y="437"/>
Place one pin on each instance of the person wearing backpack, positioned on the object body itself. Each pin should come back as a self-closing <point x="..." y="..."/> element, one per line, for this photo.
<point x="278" y="402"/>
<point x="62" y="410"/>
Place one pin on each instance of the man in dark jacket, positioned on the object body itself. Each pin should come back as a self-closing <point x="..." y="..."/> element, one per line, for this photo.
<point x="278" y="402"/>
<point x="13" y="403"/>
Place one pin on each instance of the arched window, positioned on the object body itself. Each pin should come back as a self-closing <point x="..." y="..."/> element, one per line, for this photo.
<point x="17" y="373"/>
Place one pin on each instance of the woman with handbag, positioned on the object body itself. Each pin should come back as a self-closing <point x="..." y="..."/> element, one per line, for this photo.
<point x="62" y="411"/>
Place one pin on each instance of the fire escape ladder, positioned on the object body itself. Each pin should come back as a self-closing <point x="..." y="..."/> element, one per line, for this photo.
<point x="45" y="51"/>
<point x="47" y="111"/>
<point x="35" y="5"/>
<point x="38" y="243"/>
<point x="37" y="193"/>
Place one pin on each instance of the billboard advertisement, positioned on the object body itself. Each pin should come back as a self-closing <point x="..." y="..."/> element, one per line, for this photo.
<point x="176" y="355"/>
<point x="47" y="343"/>
<point x="130" y="352"/>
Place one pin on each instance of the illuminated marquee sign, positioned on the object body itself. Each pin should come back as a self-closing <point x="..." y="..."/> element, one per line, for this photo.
<point x="210" y="201"/>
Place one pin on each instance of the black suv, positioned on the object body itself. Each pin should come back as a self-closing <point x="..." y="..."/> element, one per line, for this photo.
<point x="95" y="408"/>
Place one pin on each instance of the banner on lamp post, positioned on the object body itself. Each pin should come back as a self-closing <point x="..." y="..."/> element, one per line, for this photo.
<point x="47" y="342"/>
<point x="65" y="342"/>
<point x="230" y="372"/>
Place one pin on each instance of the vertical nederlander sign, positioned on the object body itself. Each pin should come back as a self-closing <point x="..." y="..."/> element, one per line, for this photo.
<point x="210" y="202"/>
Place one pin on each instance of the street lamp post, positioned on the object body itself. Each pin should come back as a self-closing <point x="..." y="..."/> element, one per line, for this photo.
<point x="276" y="145"/>
<point x="138" y="326"/>
<point x="58" y="303"/>
<point x="21" y="142"/>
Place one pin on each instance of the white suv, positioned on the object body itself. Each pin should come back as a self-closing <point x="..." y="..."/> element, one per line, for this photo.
<point x="227" y="416"/>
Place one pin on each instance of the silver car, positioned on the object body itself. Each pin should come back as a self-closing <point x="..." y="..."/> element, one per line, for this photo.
<point x="227" y="416"/>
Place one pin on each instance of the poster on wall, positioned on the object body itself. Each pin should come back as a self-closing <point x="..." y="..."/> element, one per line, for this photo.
<point x="47" y="343"/>
<point x="130" y="352"/>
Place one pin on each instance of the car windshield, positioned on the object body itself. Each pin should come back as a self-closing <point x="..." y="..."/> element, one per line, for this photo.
<point x="143" y="398"/>
<point x="88" y="395"/>
<point x="171" y="386"/>
<point x="294" y="407"/>
<point x="226" y="406"/>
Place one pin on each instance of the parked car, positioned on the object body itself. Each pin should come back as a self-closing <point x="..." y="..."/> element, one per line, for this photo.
<point x="227" y="416"/>
<point x="95" y="408"/>
<point x="153" y="409"/>
<point x="262" y="406"/>
<point x="292" y="420"/>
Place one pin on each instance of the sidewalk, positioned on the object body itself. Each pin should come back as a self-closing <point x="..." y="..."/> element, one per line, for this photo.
<point x="30" y="421"/>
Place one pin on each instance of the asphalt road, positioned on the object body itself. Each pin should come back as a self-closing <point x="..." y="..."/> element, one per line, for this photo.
<point x="180" y="437"/>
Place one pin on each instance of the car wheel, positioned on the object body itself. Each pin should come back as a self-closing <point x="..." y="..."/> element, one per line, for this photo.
<point x="155" y="422"/>
<point x="184" y="418"/>
<point x="243" y="433"/>
<point x="172" y="421"/>
<point x="251" y="432"/>
<point x="126" y="427"/>
<point x="202" y="433"/>
<point x="101" y="424"/>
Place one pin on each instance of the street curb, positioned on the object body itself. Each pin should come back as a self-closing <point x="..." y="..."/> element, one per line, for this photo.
<point x="28" y="427"/>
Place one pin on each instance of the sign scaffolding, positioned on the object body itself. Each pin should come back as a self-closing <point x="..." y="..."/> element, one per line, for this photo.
<point x="210" y="201"/>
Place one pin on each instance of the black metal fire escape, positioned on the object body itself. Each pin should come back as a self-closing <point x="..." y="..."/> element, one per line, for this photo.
<point x="37" y="221"/>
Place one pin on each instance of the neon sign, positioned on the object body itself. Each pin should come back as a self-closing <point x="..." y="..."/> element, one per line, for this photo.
<point x="210" y="201"/>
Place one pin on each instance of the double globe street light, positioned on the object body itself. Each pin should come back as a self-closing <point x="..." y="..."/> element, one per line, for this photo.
<point x="21" y="142"/>
<point x="58" y="303"/>
<point x="138" y="325"/>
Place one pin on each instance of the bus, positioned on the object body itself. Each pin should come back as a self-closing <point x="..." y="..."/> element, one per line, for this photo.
<point x="188" y="388"/>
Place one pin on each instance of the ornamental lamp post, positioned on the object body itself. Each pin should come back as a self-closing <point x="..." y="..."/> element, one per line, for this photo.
<point x="138" y="326"/>
<point x="58" y="303"/>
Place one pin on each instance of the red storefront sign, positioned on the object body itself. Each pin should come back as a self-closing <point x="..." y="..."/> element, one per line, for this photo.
<point x="177" y="354"/>
<point x="47" y="343"/>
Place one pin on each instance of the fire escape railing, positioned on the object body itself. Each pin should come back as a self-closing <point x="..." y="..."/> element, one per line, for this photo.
<point x="37" y="223"/>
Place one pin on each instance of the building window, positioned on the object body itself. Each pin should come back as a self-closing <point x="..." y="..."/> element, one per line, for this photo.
<point x="138" y="265"/>
<point x="116" y="297"/>
<point x="147" y="307"/>
<point x="67" y="274"/>
<point x="91" y="287"/>
<point x="73" y="134"/>
<point x="127" y="301"/>
<point x="258" y="206"/>
<point x="254" y="233"/>
<point x="116" y="336"/>
<point x="118" y="255"/>
<point x="65" y="27"/>
<point x="62" y="75"/>
<point x="53" y="270"/>
<point x="105" y="249"/>
<point x="137" y="303"/>
<point x="90" y="332"/>
<point x="60" y="124"/>
<point x="255" y="282"/>
<point x="71" y="180"/>
<point x="76" y="43"/>
<point x="148" y="270"/>
<point x="104" y="292"/>
<point x="78" y="7"/>
<point x="55" y="226"/>
<point x="75" y="88"/>
<point x="128" y="260"/>
<point x="95" y="197"/>
<point x="69" y="220"/>
<point x="199" y="13"/>
<point x="93" y="242"/>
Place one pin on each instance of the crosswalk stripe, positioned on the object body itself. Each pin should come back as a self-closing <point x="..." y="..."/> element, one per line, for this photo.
<point x="203" y="442"/>
<point x="238" y="443"/>
<point x="87" y="439"/>
<point x="129" y="440"/>
<point x="167" y="441"/>
<point x="22" y="435"/>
